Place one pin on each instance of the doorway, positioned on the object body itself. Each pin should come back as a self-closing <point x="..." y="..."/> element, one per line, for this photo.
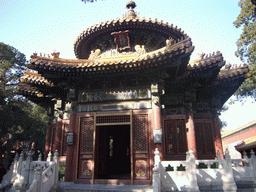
<point x="112" y="152"/>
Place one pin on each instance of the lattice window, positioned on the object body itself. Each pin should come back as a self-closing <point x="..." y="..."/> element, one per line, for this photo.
<point x="175" y="137"/>
<point x="113" y="119"/>
<point x="140" y="133"/>
<point x="87" y="127"/>
<point x="204" y="140"/>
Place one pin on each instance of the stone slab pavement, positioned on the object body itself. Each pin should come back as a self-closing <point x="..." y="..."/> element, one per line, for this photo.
<point x="72" y="187"/>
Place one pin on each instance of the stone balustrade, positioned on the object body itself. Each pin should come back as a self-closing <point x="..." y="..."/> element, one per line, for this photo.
<point x="32" y="176"/>
<point x="205" y="175"/>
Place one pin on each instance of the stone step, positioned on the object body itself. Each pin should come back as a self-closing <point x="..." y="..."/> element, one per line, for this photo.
<point x="72" y="187"/>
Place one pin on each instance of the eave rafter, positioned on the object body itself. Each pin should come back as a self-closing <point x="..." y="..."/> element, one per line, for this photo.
<point x="132" y="63"/>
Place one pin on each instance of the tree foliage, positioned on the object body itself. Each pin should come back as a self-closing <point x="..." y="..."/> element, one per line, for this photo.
<point x="22" y="122"/>
<point x="246" y="45"/>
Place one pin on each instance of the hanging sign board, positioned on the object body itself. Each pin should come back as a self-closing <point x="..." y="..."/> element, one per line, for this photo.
<point x="157" y="133"/>
<point x="70" y="138"/>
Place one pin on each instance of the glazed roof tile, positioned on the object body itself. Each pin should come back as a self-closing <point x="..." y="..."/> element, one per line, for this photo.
<point x="108" y="64"/>
<point x="129" y="23"/>
<point x="32" y="77"/>
<point x="27" y="89"/>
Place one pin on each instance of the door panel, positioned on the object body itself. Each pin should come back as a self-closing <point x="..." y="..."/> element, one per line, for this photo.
<point x="141" y="146"/>
<point x="86" y="148"/>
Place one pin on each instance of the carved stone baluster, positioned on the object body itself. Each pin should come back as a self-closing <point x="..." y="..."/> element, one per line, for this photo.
<point x="156" y="174"/>
<point x="56" y="161"/>
<point x="40" y="157"/>
<point x="245" y="159"/>
<point x="253" y="162"/>
<point x="49" y="158"/>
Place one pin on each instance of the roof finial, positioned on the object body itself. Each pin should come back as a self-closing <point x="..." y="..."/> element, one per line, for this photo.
<point x="130" y="13"/>
<point x="130" y="5"/>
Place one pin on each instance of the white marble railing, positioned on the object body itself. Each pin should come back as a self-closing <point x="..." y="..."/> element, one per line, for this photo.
<point x="204" y="175"/>
<point x="32" y="176"/>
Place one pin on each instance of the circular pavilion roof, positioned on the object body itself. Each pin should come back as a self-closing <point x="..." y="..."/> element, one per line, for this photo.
<point x="150" y="33"/>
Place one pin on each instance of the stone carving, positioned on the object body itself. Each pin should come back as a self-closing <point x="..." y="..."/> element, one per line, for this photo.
<point x="94" y="54"/>
<point x="140" y="50"/>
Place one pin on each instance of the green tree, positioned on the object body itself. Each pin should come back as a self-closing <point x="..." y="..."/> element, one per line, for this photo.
<point x="246" y="45"/>
<point x="21" y="121"/>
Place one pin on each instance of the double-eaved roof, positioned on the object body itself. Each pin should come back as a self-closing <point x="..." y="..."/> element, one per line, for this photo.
<point x="155" y="48"/>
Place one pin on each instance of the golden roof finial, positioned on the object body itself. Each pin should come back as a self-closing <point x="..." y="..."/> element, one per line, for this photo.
<point x="130" y="13"/>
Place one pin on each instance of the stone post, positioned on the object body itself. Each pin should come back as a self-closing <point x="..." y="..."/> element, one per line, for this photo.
<point x="26" y="172"/>
<point x="228" y="177"/>
<point x="49" y="158"/>
<point x="156" y="172"/>
<point x="253" y="162"/>
<point x="219" y="160"/>
<point x="56" y="161"/>
<point x="39" y="157"/>
<point x="38" y="177"/>
<point x="18" y="181"/>
<point x="15" y="168"/>
<point x="192" y="171"/>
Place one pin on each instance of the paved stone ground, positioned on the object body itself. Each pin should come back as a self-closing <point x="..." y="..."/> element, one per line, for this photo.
<point x="72" y="187"/>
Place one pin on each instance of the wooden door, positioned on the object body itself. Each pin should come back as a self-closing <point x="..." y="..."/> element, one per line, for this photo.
<point x="141" y="147"/>
<point x="86" y="148"/>
<point x="175" y="138"/>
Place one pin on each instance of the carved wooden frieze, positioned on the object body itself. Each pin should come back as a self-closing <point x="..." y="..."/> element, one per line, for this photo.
<point x="87" y="97"/>
<point x="172" y="99"/>
<point x="203" y="106"/>
<point x="203" y="115"/>
<point x="115" y="106"/>
<point x="173" y="111"/>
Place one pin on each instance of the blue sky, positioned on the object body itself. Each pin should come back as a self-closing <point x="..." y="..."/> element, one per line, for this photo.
<point x="44" y="26"/>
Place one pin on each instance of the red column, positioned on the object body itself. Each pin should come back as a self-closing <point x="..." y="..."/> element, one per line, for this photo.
<point x="217" y="136"/>
<point x="48" y="140"/>
<point x="70" y="174"/>
<point x="191" y="134"/>
<point x="157" y="125"/>
<point x="58" y="136"/>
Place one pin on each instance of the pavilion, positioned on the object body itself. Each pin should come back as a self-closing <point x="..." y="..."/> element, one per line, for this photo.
<point x="131" y="89"/>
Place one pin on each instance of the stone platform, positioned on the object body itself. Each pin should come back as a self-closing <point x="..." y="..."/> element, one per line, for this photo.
<point x="72" y="187"/>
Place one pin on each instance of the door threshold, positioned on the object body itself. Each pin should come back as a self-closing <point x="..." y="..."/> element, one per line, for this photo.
<point x="113" y="181"/>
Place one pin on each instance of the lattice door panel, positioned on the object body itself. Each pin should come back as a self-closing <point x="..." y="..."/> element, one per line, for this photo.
<point x="86" y="148"/>
<point x="204" y="140"/>
<point x="86" y="140"/>
<point x="175" y="137"/>
<point x="140" y="134"/>
<point x="113" y="119"/>
<point x="141" y="147"/>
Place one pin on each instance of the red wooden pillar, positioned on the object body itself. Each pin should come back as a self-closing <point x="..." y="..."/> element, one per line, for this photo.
<point x="217" y="136"/>
<point x="191" y="134"/>
<point x="156" y="123"/>
<point x="48" y="140"/>
<point x="71" y="158"/>
<point x="58" y="136"/>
